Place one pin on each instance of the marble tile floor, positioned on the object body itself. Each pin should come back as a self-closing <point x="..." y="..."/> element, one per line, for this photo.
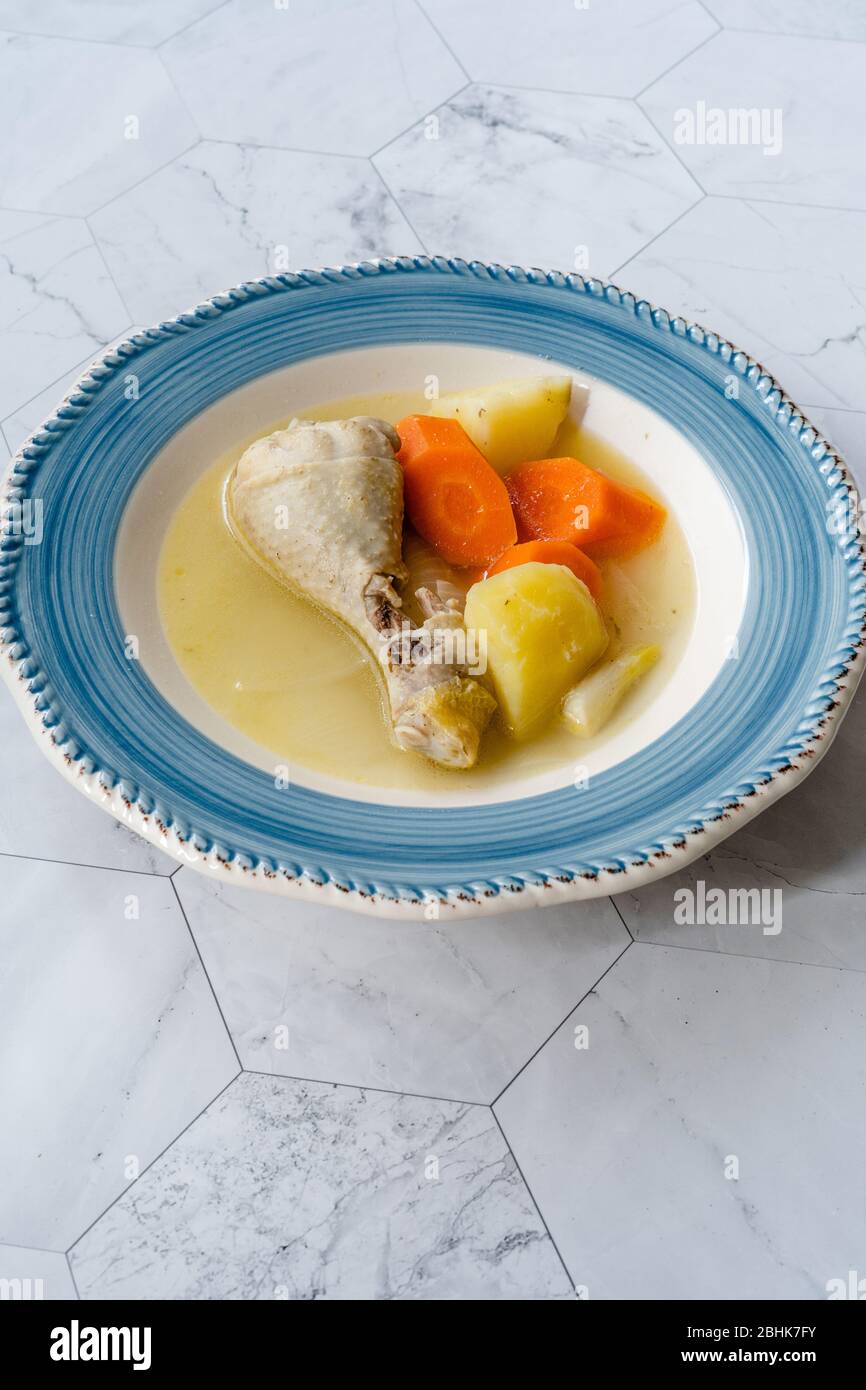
<point x="211" y="1094"/>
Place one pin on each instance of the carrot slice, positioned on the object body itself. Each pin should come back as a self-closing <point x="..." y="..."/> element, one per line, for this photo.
<point x="553" y="553"/>
<point x="458" y="503"/>
<point x="453" y="497"/>
<point x="562" y="499"/>
<point x="422" y="435"/>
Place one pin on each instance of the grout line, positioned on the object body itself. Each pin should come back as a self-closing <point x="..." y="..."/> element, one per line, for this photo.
<point x="441" y="37"/>
<point x="130" y="1185"/>
<point x="362" y="1086"/>
<point x="109" y="272"/>
<point x="40" y="212"/>
<point x="667" y="142"/>
<point x="198" y="19"/>
<point x="685" y="212"/>
<point x="553" y="91"/>
<point x="78" y="369"/>
<point x="622" y="919"/>
<point x="842" y="409"/>
<point x="683" y="59"/>
<point x="65" y="384"/>
<point x="621" y="97"/>
<point x="76" y="864"/>
<point x="786" y="34"/>
<point x="204" y="968"/>
<point x="37" y="1249"/>
<point x="418" y="121"/>
<point x="561" y="91"/>
<point x="80" y="39"/>
<point x="708" y="11"/>
<point x="533" y="1200"/>
<point x="750" y="199"/>
<point x="247" y="144"/>
<point x="747" y="202"/>
<point x="563" y="1020"/>
<point x="176" y="89"/>
<point x="152" y="174"/>
<point x="556" y="92"/>
<point x="399" y="206"/>
<point x="745" y="955"/>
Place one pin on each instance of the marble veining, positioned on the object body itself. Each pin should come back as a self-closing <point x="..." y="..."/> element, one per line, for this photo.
<point x="154" y="154"/>
<point x="58" y="302"/>
<point x="226" y="213"/>
<point x="313" y="74"/>
<point x="478" y="177"/>
<point x="297" y="1189"/>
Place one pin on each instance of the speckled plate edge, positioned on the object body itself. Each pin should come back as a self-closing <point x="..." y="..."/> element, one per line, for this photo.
<point x="836" y="686"/>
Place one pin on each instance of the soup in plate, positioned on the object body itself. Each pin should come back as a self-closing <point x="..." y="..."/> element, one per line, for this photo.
<point x="399" y="593"/>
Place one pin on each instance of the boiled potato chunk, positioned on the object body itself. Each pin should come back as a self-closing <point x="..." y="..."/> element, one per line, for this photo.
<point x="512" y="421"/>
<point x="542" y="631"/>
<point x="593" y="700"/>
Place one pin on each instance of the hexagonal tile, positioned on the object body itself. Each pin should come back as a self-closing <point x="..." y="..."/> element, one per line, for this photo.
<point x="439" y="1008"/>
<point x="802" y="144"/>
<point x="27" y="1275"/>
<point x="226" y="213"/>
<point x="786" y="283"/>
<point x="676" y="1155"/>
<point x="613" y="49"/>
<point x="313" y="74"/>
<point x="299" y="1190"/>
<point x="59" y="303"/>
<point x="804" y="854"/>
<point x="27" y="418"/>
<point x="537" y="178"/>
<point x="114" y="1042"/>
<point x="117" y="21"/>
<point x="59" y="154"/>
<point x="828" y="19"/>
<point x="42" y="816"/>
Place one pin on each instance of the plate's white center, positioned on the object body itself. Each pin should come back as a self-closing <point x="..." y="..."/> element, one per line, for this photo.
<point x="669" y="461"/>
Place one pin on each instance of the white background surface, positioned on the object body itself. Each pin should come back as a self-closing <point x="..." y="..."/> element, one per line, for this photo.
<point x="360" y="1156"/>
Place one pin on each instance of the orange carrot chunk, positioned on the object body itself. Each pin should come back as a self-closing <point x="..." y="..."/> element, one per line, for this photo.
<point x="458" y="503"/>
<point x="422" y="435"/>
<point x="562" y="499"/>
<point x="453" y="497"/>
<point x="553" y="553"/>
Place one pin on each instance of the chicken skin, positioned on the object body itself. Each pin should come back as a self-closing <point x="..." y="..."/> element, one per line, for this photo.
<point x="320" y="506"/>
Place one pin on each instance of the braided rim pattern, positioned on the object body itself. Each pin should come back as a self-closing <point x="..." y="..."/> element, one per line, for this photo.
<point x="137" y="807"/>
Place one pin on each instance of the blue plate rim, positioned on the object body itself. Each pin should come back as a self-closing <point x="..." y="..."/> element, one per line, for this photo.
<point x="53" y="727"/>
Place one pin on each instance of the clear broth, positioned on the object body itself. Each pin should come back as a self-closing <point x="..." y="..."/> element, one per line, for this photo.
<point x="310" y="695"/>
